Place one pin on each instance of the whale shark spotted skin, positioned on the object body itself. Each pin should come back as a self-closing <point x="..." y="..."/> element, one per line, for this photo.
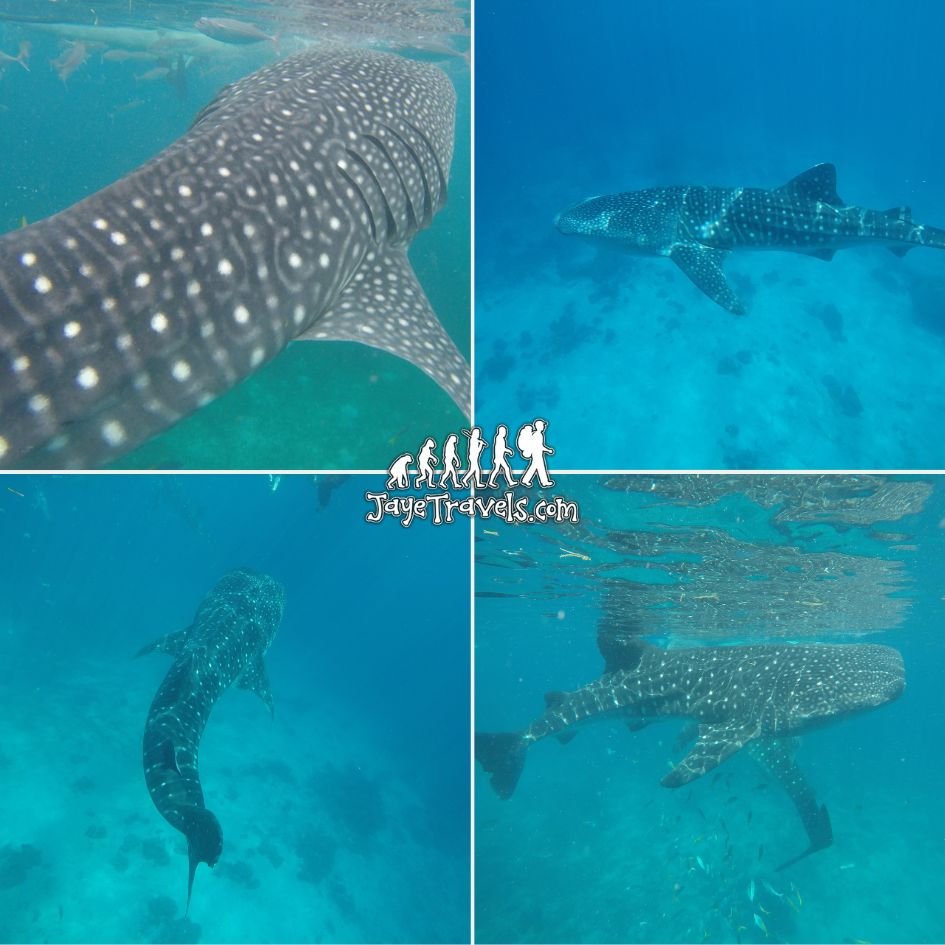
<point x="225" y="644"/>
<point x="759" y="696"/>
<point x="697" y="226"/>
<point x="284" y="213"/>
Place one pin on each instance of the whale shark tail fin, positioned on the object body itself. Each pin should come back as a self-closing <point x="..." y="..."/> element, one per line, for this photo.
<point x="204" y="843"/>
<point x="502" y="754"/>
<point x="820" y="832"/>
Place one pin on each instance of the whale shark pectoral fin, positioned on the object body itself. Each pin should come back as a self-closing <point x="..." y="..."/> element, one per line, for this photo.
<point x="777" y="757"/>
<point x="825" y="254"/>
<point x="714" y="744"/>
<point x="704" y="266"/>
<point x="390" y="311"/>
<point x="816" y="183"/>
<point x="172" y="644"/>
<point x="256" y="679"/>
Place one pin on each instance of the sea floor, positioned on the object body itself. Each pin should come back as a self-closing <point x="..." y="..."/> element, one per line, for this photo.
<point x="610" y="856"/>
<point x="323" y="840"/>
<point x="836" y="365"/>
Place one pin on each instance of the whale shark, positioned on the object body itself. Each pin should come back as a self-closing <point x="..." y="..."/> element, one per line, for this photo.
<point x="759" y="697"/>
<point x="284" y="213"/>
<point x="697" y="226"/>
<point x="225" y="645"/>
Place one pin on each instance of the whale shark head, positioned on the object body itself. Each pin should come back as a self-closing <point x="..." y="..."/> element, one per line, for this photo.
<point x="837" y="680"/>
<point x="643" y="221"/>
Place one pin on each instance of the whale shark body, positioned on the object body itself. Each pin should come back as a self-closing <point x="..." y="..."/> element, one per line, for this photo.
<point x="698" y="226"/>
<point x="759" y="696"/>
<point x="225" y="644"/>
<point x="284" y="213"/>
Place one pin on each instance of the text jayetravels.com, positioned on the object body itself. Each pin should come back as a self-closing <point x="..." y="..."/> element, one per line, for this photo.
<point x="442" y="507"/>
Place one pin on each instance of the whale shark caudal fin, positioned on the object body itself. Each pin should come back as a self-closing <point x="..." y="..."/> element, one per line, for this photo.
<point x="204" y="842"/>
<point x="503" y="756"/>
<point x="777" y="757"/>
<point x="715" y="743"/>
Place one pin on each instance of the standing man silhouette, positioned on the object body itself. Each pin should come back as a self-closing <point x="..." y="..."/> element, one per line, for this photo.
<point x="451" y="462"/>
<point x="501" y="453"/>
<point x="477" y="445"/>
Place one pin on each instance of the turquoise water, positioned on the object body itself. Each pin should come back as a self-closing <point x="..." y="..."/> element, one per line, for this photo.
<point x="317" y="406"/>
<point x="344" y="817"/>
<point x="590" y="847"/>
<point x="836" y="365"/>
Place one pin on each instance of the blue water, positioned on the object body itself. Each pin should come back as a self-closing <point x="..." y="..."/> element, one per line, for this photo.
<point x="590" y="848"/>
<point x="345" y="818"/>
<point x="317" y="406"/>
<point x="836" y="365"/>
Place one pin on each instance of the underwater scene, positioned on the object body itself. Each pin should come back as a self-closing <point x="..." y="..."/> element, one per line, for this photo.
<point x="710" y="712"/>
<point x="330" y="670"/>
<point x="88" y="94"/>
<point x="660" y="192"/>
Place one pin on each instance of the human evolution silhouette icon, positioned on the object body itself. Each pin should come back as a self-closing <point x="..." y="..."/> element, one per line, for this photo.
<point x="447" y="469"/>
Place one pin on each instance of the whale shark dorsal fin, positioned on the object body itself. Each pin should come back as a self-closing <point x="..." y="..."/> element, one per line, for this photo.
<point x="704" y="266"/>
<point x="256" y="679"/>
<point x="715" y="743"/>
<point x="384" y="307"/>
<point x="621" y="649"/>
<point x="172" y="644"/>
<point x="817" y="183"/>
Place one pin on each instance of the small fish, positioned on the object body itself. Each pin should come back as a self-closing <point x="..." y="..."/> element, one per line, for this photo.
<point x="751" y="891"/>
<point x="236" y="32"/>
<point x="152" y="75"/>
<point x="126" y="107"/>
<point x="573" y="554"/>
<point x="763" y="909"/>
<point x="847" y="866"/>
<point x="70" y="59"/>
<point x="760" y="923"/>
<point x="771" y="889"/>
<point x="15" y="492"/>
<point x="22" y="57"/>
<point x="702" y="865"/>
<point x="486" y="531"/>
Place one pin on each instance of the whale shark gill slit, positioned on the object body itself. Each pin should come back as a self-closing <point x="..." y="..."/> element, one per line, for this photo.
<point x="283" y="214"/>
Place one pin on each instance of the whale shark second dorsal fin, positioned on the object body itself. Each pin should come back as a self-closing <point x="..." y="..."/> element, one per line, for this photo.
<point x="817" y="183"/>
